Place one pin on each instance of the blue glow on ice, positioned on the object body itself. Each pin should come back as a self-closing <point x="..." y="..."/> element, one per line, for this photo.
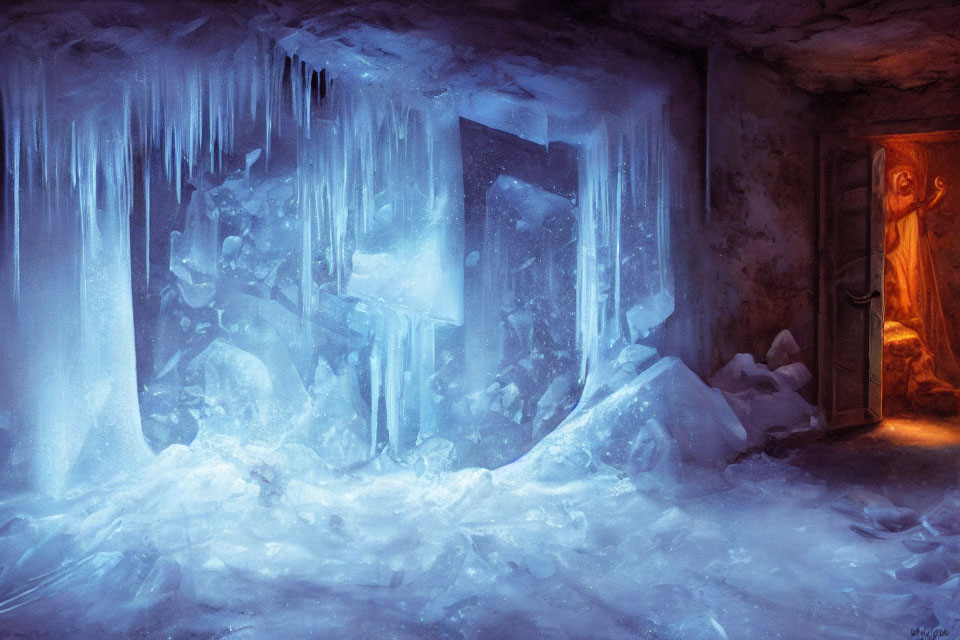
<point x="268" y="374"/>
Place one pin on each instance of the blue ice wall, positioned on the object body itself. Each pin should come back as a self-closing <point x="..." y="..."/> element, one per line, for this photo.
<point x="296" y="215"/>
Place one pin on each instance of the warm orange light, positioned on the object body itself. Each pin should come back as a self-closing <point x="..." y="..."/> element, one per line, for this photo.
<point x="920" y="368"/>
<point x="926" y="433"/>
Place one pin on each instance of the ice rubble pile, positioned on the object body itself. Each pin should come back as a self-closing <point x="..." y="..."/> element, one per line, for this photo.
<point x="764" y="396"/>
<point x="651" y="414"/>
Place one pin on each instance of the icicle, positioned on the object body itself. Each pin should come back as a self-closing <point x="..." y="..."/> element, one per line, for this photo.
<point x="663" y="210"/>
<point x="16" y="208"/>
<point x="194" y="113"/>
<point x="168" y="153"/>
<point x="395" y="327"/>
<point x="255" y="85"/>
<point x="375" y="384"/>
<point x="229" y="129"/>
<point x="426" y="329"/>
<point x="73" y="153"/>
<point x="306" y="247"/>
<point x="45" y="128"/>
<point x="212" y="121"/>
<point x="617" y="222"/>
<point x="177" y="164"/>
<point x="146" y="209"/>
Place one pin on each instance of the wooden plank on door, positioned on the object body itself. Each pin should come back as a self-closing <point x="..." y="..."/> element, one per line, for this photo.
<point x="851" y="281"/>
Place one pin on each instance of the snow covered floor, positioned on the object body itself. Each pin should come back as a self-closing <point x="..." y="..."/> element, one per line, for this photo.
<point x="216" y="543"/>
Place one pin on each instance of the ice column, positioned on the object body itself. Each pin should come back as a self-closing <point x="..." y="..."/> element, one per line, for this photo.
<point x="68" y="280"/>
<point x="71" y="148"/>
<point x="624" y="278"/>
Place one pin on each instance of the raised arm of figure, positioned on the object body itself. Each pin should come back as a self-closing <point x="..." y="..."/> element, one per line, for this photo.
<point x="935" y="199"/>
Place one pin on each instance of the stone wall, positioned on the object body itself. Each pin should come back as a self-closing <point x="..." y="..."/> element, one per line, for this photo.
<point x="892" y="110"/>
<point x="761" y="225"/>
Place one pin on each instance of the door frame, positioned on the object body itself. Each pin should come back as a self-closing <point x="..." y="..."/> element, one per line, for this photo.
<point x="928" y="131"/>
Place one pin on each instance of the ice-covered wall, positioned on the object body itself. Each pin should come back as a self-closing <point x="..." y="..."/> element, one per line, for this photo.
<point x="307" y="280"/>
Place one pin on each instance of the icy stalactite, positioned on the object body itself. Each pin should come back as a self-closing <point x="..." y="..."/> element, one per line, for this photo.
<point x="594" y="249"/>
<point x="380" y="200"/>
<point x="426" y="350"/>
<point x="70" y="282"/>
<point x="488" y="349"/>
<point x="70" y="241"/>
<point x="192" y="109"/>
<point x="624" y="278"/>
<point x="146" y="216"/>
<point x="378" y="204"/>
<point x="376" y="373"/>
<point x="403" y="364"/>
<point x="397" y="335"/>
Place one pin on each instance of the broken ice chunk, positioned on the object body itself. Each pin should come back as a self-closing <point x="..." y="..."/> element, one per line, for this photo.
<point x="337" y="425"/>
<point x="944" y="519"/>
<point x="697" y="418"/>
<point x="635" y="358"/>
<point x="742" y="374"/>
<point x="923" y="568"/>
<point x="231" y="247"/>
<point x="193" y="253"/>
<point x="765" y="401"/>
<point x="433" y="456"/>
<point x="554" y="404"/>
<point x="249" y="161"/>
<point x="162" y="581"/>
<point x="783" y="350"/>
<point x="892" y="518"/>
<point x="793" y="376"/>
<point x="417" y="282"/>
<point x="653" y="450"/>
<point x="523" y="205"/>
<point x="238" y="393"/>
<point x="649" y="314"/>
<point x="762" y="413"/>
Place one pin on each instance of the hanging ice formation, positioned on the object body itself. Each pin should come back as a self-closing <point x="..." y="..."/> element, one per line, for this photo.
<point x="366" y="177"/>
<point x="624" y="277"/>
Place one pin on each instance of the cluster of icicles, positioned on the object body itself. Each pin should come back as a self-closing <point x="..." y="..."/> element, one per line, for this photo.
<point x="77" y="155"/>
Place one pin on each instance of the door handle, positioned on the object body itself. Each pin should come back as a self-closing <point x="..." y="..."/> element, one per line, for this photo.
<point x="860" y="300"/>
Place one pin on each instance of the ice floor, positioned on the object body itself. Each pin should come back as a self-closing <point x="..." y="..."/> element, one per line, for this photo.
<point x="217" y="543"/>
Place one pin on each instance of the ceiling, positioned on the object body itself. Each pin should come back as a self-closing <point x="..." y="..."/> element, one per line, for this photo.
<point x="819" y="45"/>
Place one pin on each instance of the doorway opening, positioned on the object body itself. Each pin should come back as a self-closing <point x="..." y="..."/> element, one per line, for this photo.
<point x="921" y="329"/>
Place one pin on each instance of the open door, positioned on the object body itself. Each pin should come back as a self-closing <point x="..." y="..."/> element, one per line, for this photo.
<point x="851" y="281"/>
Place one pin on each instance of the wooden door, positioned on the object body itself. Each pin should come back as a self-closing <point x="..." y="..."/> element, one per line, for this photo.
<point x="851" y="281"/>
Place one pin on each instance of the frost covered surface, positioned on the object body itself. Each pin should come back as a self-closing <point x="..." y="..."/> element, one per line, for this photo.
<point x="251" y="543"/>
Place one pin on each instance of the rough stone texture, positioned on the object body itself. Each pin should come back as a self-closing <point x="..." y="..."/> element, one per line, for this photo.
<point x="761" y="232"/>
<point x="822" y="45"/>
